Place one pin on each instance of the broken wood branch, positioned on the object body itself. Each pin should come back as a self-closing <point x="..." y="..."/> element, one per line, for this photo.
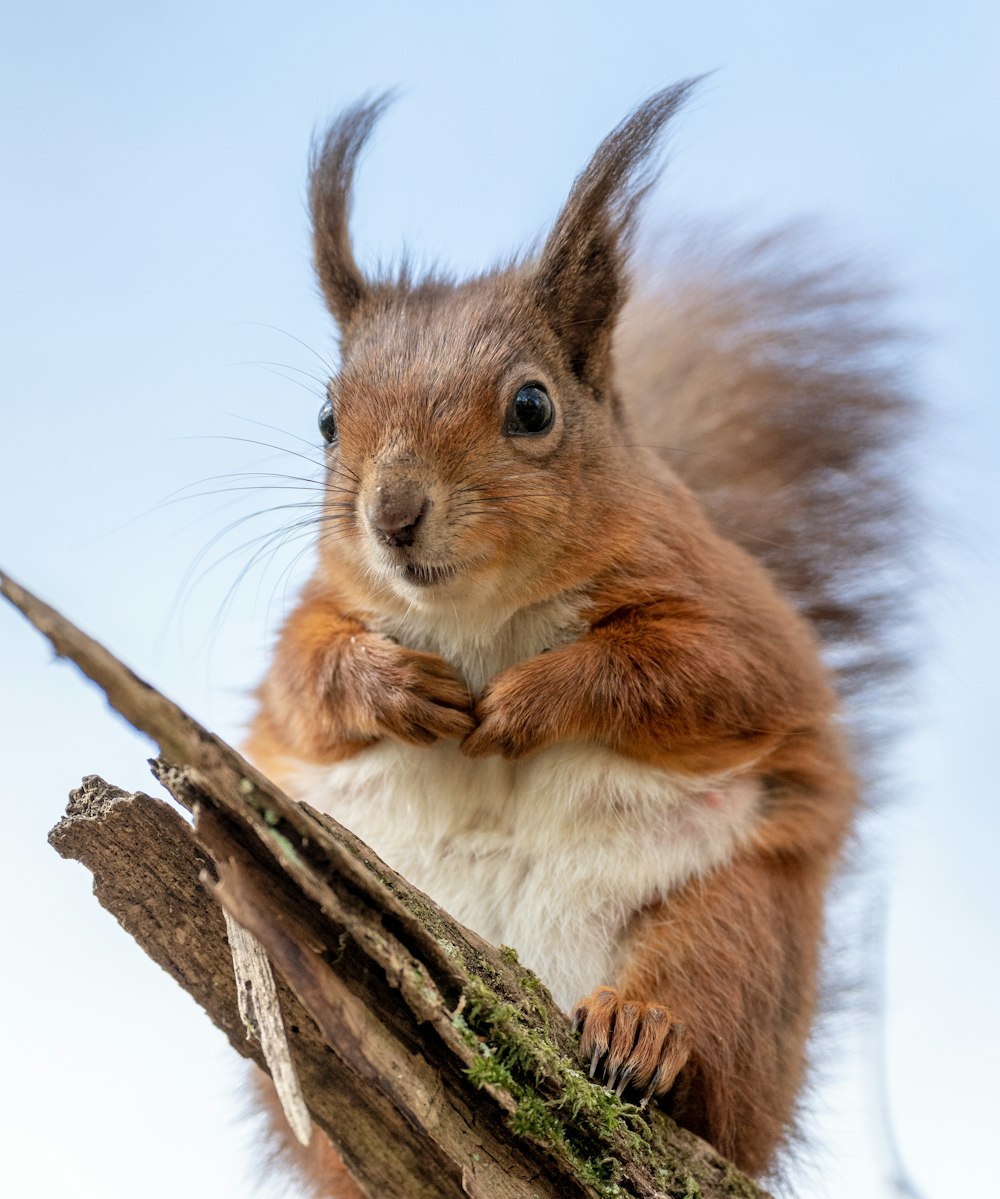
<point x="436" y="1063"/>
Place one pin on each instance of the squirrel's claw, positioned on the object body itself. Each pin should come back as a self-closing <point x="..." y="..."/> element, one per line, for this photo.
<point x="631" y="1045"/>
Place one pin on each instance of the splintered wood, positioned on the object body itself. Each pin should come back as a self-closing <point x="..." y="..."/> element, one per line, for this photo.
<point x="261" y="1013"/>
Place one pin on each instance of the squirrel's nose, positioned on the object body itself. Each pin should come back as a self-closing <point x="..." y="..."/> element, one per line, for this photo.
<point x="397" y="510"/>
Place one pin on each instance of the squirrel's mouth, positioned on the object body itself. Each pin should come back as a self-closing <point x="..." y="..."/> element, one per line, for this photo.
<point x="421" y="575"/>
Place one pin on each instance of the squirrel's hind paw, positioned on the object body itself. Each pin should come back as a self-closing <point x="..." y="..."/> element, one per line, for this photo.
<point x="631" y="1044"/>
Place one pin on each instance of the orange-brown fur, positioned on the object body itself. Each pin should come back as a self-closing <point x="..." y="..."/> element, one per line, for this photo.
<point x="746" y="1004"/>
<point x="687" y="658"/>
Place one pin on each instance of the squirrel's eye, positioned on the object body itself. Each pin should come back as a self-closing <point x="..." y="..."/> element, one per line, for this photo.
<point x="328" y="422"/>
<point x="531" y="411"/>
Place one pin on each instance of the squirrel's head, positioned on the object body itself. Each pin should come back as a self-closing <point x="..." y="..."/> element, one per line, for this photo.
<point x="470" y="426"/>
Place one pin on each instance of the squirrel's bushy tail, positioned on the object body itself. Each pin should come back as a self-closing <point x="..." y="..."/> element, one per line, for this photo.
<point x="771" y="380"/>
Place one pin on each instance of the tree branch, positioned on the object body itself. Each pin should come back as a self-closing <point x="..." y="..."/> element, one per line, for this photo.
<point x="438" y="1065"/>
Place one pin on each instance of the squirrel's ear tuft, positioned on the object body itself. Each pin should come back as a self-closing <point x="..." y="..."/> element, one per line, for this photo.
<point x="331" y="174"/>
<point x="581" y="274"/>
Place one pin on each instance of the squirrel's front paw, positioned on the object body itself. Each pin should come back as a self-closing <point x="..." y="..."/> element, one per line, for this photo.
<point x="412" y="696"/>
<point x="630" y="1044"/>
<point x="507" y="721"/>
<point x="536" y="704"/>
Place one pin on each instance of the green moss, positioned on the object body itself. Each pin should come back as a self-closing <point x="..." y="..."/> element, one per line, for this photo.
<point x="459" y="1023"/>
<point x="604" y="1108"/>
<point x="419" y="979"/>
<point x="534" y="1118"/>
<point x="486" y="969"/>
<point x="285" y="847"/>
<point x="557" y="1106"/>
<point x="488" y="1070"/>
<point x="578" y="1118"/>
<point x="508" y="952"/>
<point x="334" y="956"/>
<point x="448" y="948"/>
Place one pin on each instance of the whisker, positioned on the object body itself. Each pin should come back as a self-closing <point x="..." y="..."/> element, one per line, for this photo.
<point x="275" y="429"/>
<point x="251" y="441"/>
<point x="284" y="332"/>
<point x="288" y="366"/>
<point x="320" y="395"/>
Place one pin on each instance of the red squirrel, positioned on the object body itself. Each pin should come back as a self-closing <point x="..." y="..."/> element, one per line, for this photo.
<point x="560" y="662"/>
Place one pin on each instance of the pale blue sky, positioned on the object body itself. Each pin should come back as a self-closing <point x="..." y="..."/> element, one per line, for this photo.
<point x="154" y="241"/>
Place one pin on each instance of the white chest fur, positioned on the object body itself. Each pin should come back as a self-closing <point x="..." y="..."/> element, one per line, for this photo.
<point x="551" y="855"/>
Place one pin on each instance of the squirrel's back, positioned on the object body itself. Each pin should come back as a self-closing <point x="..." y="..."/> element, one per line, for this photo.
<point x="769" y="376"/>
